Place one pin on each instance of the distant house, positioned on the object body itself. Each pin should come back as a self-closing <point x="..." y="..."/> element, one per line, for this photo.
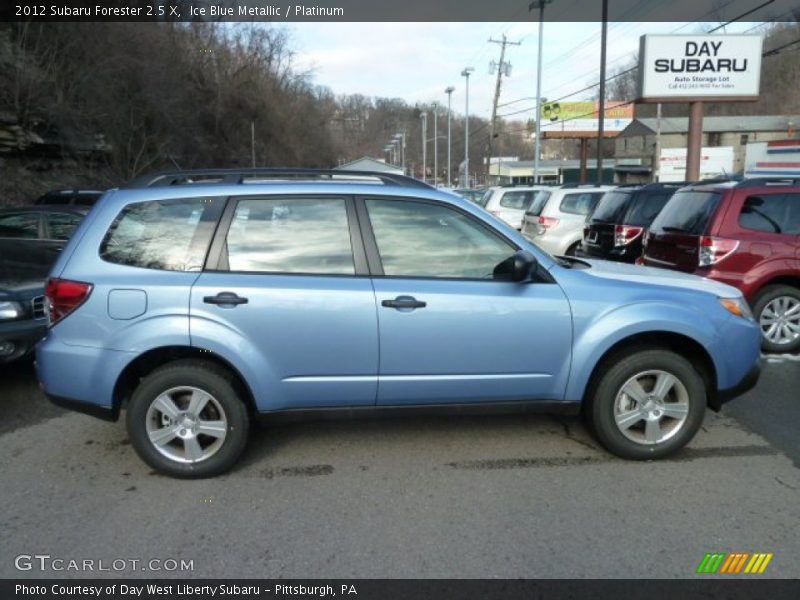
<point x="638" y="140"/>
<point x="366" y="163"/>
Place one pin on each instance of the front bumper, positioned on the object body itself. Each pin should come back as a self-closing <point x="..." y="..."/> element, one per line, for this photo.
<point x="21" y="337"/>
<point x="747" y="383"/>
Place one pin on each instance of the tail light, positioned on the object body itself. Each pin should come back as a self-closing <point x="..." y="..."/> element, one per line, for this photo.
<point x="625" y="234"/>
<point x="713" y="250"/>
<point x="546" y="223"/>
<point x="639" y="261"/>
<point x="63" y="296"/>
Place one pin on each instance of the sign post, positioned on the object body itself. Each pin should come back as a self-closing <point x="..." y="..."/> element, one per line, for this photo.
<point x="697" y="69"/>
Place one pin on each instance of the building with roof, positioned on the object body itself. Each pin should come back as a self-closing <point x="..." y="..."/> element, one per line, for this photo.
<point x="520" y="172"/>
<point x="638" y="140"/>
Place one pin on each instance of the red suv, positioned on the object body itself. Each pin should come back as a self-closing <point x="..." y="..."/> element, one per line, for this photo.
<point x="746" y="234"/>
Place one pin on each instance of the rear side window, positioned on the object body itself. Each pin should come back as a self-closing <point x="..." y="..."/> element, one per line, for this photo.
<point x="612" y="207"/>
<point x="61" y="225"/>
<point x="20" y="225"/>
<point x="516" y="200"/>
<point x="580" y="204"/>
<point x="645" y="208"/>
<point x="170" y="235"/>
<point x="772" y="213"/>
<point x="291" y="235"/>
<point x="687" y="212"/>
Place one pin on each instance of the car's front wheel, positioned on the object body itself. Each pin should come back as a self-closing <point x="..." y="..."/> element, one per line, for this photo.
<point x="186" y="419"/>
<point x="647" y="404"/>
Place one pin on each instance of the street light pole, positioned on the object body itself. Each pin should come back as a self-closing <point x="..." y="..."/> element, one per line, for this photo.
<point x="465" y="73"/>
<point x="449" y="91"/>
<point x="424" y="117"/>
<point x="540" y="4"/>
<point x="435" y="144"/>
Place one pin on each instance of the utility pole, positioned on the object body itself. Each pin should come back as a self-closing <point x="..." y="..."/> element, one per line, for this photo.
<point x="253" y="143"/>
<point x="503" y="68"/>
<point x="657" y="162"/>
<point x="602" y="107"/>
<point x="435" y="145"/>
<point x="540" y="4"/>
<point x="449" y="91"/>
<point x="465" y="73"/>
<point x="424" y="116"/>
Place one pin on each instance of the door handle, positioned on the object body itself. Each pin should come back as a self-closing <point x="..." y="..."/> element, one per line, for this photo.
<point x="225" y="299"/>
<point x="407" y="302"/>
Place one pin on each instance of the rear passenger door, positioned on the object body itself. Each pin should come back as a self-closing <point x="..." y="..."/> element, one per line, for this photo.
<point x="286" y="288"/>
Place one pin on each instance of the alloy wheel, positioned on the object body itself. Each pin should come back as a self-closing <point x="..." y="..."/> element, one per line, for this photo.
<point x="651" y="407"/>
<point x="186" y="424"/>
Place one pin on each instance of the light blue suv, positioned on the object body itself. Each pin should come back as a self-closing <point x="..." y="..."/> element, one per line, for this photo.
<point x="202" y="300"/>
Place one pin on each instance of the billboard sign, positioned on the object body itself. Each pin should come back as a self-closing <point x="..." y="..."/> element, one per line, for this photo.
<point x="714" y="162"/>
<point x="583" y="116"/>
<point x="681" y="67"/>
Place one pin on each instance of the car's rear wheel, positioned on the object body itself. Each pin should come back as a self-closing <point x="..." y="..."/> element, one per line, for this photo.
<point x="572" y="250"/>
<point x="777" y="309"/>
<point x="647" y="404"/>
<point x="186" y="419"/>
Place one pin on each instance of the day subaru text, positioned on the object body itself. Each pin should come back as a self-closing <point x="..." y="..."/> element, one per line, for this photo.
<point x="199" y="301"/>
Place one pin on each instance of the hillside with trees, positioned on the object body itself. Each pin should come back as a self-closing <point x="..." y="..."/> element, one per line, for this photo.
<point x="97" y="104"/>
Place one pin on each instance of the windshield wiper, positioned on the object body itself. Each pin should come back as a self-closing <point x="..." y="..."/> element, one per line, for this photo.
<point x="675" y="229"/>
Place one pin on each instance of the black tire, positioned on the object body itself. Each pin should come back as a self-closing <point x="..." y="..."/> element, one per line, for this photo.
<point x="208" y="378"/>
<point x="572" y="249"/>
<point x="614" y="374"/>
<point x="765" y="296"/>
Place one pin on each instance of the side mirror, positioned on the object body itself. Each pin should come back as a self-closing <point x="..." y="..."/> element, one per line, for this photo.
<point x="518" y="268"/>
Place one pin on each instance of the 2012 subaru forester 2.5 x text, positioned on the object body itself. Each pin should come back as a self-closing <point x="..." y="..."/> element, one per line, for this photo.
<point x="201" y="300"/>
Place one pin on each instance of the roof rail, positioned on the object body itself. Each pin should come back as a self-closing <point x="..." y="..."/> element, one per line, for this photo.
<point x="238" y="176"/>
<point x="575" y="184"/>
<point x="765" y="181"/>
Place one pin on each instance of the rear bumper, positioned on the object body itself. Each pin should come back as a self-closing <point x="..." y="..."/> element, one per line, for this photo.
<point x="95" y="410"/>
<point x="22" y="335"/>
<point x="92" y="392"/>
<point x="747" y="383"/>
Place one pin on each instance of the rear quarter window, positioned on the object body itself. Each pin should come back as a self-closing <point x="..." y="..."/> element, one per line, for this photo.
<point x="772" y="213"/>
<point x="169" y="235"/>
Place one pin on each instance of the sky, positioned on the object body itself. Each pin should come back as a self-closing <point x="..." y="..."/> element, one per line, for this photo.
<point x="417" y="61"/>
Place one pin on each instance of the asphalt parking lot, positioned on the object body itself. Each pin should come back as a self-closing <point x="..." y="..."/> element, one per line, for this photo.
<point x="510" y="496"/>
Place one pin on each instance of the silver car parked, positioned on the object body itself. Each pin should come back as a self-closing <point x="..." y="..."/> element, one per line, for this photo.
<point x="509" y="203"/>
<point x="556" y="217"/>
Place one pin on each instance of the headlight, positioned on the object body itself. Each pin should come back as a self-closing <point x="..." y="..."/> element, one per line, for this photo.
<point x="737" y="306"/>
<point x="9" y="310"/>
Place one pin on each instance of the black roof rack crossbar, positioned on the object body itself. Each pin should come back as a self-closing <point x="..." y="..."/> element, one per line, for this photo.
<point x="238" y="176"/>
<point x="763" y="181"/>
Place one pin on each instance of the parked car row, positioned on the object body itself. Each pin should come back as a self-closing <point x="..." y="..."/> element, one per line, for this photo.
<point x="31" y="238"/>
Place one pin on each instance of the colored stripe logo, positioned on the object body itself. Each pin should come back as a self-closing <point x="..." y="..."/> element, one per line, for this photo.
<point x="734" y="563"/>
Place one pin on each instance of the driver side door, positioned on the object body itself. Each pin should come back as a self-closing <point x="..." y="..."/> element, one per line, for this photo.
<point x="448" y="332"/>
